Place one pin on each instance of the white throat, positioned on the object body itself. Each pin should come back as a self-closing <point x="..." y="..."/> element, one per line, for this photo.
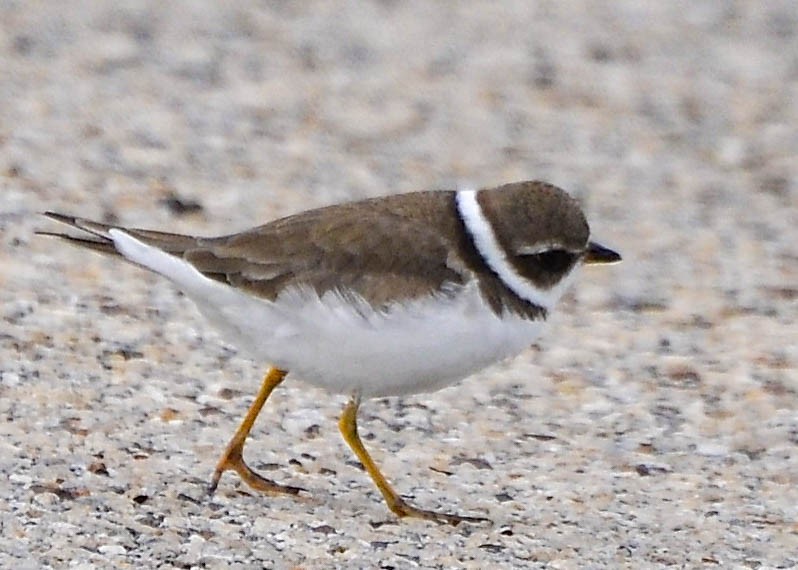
<point x="496" y="258"/>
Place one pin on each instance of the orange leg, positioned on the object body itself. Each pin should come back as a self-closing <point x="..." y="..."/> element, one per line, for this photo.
<point x="400" y="507"/>
<point x="233" y="457"/>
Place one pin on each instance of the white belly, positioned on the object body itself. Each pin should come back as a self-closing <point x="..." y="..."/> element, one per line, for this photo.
<point x="415" y="347"/>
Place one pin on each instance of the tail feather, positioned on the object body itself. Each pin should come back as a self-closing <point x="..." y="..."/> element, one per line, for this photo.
<point x="163" y="253"/>
<point x="99" y="238"/>
<point x="103" y="246"/>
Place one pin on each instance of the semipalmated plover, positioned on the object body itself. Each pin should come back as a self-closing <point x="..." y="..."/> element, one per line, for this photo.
<point x="381" y="297"/>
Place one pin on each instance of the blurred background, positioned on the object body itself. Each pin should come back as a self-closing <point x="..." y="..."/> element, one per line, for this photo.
<point x="656" y="423"/>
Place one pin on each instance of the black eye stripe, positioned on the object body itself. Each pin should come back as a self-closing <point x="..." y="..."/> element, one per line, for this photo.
<point x="550" y="261"/>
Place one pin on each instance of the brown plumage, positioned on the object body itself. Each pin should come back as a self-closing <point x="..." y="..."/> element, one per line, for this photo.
<point x="383" y="249"/>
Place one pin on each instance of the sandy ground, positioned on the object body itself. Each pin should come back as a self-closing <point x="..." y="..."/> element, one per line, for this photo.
<point x="655" y="425"/>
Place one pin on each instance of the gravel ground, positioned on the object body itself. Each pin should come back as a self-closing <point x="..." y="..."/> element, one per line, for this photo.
<point x="656" y="423"/>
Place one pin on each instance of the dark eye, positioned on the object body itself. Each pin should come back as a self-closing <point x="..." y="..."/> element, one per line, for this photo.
<point x="553" y="260"/>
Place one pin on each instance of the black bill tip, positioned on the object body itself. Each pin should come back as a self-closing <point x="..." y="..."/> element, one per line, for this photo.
<point x="600" y="255"/>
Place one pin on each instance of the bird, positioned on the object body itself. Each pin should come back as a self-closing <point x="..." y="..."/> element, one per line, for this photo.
<point x="387" y="296"/>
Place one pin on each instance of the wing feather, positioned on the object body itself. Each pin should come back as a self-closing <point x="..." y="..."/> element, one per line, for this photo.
<point x="380" y="250"/>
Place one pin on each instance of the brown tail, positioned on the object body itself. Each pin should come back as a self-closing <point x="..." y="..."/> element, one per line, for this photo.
<point x="96" y="236"/>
